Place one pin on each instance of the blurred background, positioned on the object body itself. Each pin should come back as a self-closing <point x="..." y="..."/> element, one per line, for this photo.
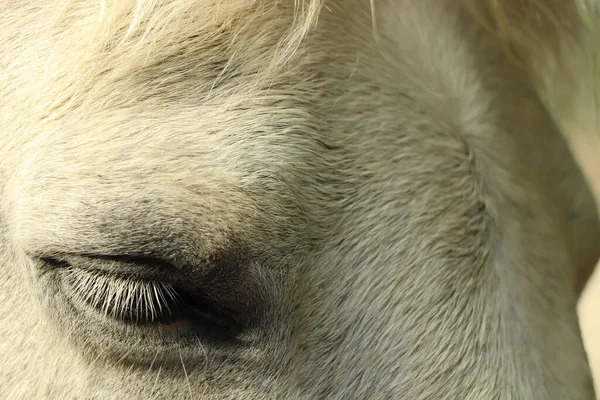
<point x="590" y="325"/>
<point x="587" y="150"/>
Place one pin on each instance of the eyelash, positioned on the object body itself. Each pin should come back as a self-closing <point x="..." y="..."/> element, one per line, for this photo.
<point x="122" y="298"/>
<point x="150" y="303"/>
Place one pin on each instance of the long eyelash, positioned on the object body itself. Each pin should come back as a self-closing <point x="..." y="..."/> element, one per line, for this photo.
<point x="121" y="298"/>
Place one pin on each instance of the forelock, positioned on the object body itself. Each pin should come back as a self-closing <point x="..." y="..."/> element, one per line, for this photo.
<point x="149" y="28"/>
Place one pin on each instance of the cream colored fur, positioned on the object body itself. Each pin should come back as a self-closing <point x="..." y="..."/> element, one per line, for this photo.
<point x="399" y="213"/>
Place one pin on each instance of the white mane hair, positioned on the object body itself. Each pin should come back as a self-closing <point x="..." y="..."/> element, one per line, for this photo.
<point x="309" y="199"/>
<point x="556" y="42"/>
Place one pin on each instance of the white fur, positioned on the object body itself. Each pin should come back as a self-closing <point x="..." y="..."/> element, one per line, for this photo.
<point x="410" y="219"/>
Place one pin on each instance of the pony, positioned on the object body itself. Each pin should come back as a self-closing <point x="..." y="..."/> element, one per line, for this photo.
<point x="309" y="199"/>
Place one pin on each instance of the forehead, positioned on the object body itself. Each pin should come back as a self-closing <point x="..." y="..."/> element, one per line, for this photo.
<point x="143" y="81"/>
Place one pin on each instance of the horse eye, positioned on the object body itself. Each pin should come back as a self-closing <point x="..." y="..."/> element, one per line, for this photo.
<point x="142" y="291"/>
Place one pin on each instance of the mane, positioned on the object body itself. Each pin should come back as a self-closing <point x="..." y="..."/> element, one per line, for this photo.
<point x="528" y="29"/>
<point x="556" y="43"/>
<point x="526" y="26"/>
